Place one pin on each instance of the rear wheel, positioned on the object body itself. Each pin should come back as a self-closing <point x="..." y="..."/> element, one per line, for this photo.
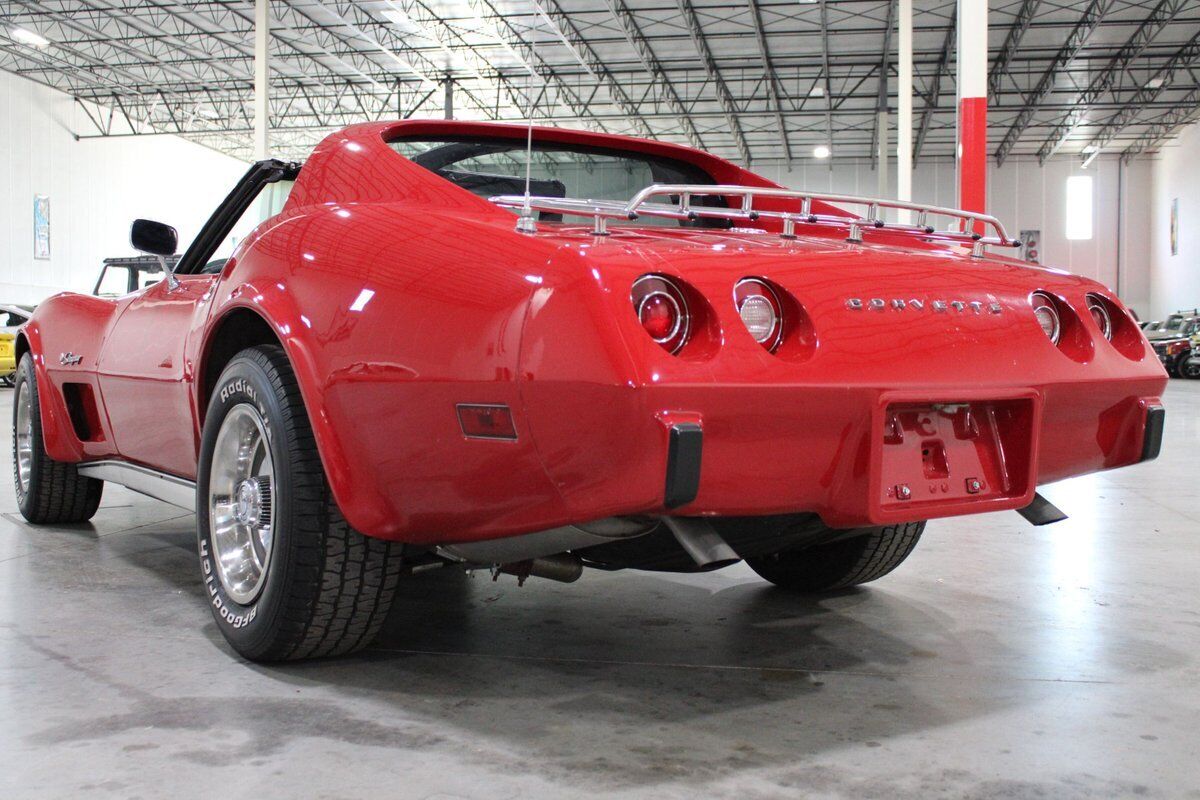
<point x="286" y="576"/>
<point x="842" y="563"/>
<point x="48" y="491"/>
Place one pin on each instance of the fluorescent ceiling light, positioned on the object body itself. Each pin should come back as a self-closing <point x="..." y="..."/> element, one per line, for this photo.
<point x="818" y="91"/>
<point x="1089" y="148"/>
<point x="1154" y="82"/>
<point x="821" y="151"/>
<point x="28" y="37"/>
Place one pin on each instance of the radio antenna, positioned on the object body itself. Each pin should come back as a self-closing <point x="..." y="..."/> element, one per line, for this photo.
<point x="526" y="222"/>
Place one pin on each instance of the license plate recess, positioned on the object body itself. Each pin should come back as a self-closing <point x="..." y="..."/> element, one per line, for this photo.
<point x="936" y="457"/>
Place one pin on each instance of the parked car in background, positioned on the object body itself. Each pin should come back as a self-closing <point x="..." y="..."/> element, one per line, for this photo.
<point x="11" y="318"/>
<point x="8" y="359"/>
<point x="124" y="274"/>
<point x="14" y="316"/>
<point x="1151" y="325"/>
<point x="1189" y="367"/>
<point x="1173" y="342"/>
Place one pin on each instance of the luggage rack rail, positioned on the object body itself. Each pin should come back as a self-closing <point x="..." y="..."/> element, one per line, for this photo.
<point x="682" y="207"/>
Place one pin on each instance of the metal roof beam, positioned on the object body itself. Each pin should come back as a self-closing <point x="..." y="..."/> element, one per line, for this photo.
<point x="881" y="106"/>
<point x="635" y="37"/>
<point x="1012" y="44"/>
<point x="1150" y="27"/>
<point x="1166" y="126"/>
<point x="935" y="85"/>
<point x="511" y="38"/>
<point x="772" y="79"/>
<point x="714" y="74"/>
<point x="592" y="61"/>
<point x="1186" y="58"/>
<point x="1088" y="22"/>
<point x="828" y="81"/>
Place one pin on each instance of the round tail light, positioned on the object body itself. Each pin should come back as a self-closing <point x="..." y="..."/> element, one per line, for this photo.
<point x="662" y="310"/>
<point x="1047" y="316"/>
<point x="1100" y="314"/>
<point x="761" y="311"/>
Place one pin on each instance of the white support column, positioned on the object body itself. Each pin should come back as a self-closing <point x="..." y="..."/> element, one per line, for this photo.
<point x="884" y="146"/>
<point x="904" y="119"/>
<point x="262" y="87"/>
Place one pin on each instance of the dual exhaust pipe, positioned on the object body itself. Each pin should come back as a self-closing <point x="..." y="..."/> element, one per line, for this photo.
<point x="698" y="538"/>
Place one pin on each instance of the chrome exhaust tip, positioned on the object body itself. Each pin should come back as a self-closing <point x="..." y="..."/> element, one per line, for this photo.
<point x="700" y="540"/>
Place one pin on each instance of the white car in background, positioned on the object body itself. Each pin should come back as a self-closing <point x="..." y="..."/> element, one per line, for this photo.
<point x="13" y="317"/>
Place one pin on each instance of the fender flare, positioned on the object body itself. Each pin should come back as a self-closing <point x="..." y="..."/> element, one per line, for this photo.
<point x="362" y="506"/>
<point x="58" y="436"/>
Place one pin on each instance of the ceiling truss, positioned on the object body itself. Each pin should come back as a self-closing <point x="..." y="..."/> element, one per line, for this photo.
<point x="757" y="81"/>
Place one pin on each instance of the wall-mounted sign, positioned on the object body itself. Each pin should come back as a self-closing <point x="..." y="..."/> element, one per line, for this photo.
<point x="41" y="226"/>
<point x="1031" y="246"/>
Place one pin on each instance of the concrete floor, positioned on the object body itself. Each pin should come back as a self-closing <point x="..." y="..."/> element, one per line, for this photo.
<point x="1001" y="661"/>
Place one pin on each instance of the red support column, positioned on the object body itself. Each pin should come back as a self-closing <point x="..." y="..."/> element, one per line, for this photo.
<point x="972" y="105"/>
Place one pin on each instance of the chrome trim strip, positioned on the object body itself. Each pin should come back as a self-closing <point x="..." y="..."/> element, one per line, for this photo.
<point x="144" y="480"/>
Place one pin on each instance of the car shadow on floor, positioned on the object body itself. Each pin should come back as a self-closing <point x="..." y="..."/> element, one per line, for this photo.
<point x="634" y="679"/>
<point x="622" y="680"/>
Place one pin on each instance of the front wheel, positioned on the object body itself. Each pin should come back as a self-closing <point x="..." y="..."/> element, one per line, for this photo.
<point x="286" y="576"/>
<point x="48" y="491"/>
<point x="842" y="563"/>
<point x="1190" y="368"/>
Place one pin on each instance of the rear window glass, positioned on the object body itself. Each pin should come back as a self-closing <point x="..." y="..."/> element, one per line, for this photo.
<point x="490" y="167"/>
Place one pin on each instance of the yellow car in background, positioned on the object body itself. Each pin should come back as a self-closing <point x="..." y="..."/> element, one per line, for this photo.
<point x="12" y="317"/>
<point x="8" y="358"/>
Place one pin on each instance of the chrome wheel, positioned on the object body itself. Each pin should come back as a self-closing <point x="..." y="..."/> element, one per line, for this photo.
<point x="23" y="431"/>
<point x="240" y="484"/>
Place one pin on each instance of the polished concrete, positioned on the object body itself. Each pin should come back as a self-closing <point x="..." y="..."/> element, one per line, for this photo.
<point x="1001" y="661"/>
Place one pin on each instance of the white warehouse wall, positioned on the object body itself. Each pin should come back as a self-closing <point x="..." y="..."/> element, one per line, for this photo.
<point x="96" y="188"/>
<point x="1026" y="195"/>
<point x="1175" y="279"/>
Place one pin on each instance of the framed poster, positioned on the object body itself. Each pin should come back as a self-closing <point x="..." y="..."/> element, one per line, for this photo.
<point x="1031" y="246"/>
<point x="1175" y="226"/>
<point x="41" y="226"/>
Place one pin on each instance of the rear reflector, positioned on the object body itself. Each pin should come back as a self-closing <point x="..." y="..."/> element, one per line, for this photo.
<point x="486" y="421"/>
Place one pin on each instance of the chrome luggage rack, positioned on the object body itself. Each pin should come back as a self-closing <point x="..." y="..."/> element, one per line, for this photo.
<point x="603" y="210"/>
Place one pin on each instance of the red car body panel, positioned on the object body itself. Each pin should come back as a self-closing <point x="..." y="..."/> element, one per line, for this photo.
<point x="398" y="295"/>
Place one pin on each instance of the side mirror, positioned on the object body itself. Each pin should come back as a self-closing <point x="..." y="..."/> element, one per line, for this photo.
<point x="157" y="239"/>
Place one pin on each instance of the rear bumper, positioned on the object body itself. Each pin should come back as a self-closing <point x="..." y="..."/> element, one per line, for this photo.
<point x="773" y="450"/>
<point x="587" y="451"/>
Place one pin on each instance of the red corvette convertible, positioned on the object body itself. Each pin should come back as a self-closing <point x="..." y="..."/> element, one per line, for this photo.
<point x="437" y="344"/>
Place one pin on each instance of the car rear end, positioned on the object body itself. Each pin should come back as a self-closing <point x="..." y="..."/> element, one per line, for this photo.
<point x="869" y="384"/>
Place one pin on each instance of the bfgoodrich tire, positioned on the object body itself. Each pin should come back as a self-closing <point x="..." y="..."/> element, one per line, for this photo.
<point x="842" y="563"/>
<point x="48" y="491"/>
<point x="286" y="576"/>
